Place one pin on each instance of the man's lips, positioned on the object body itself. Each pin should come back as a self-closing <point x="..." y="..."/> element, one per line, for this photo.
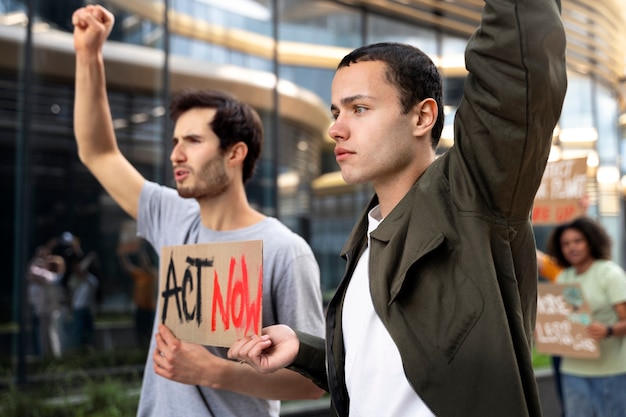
<point x="342" y="154"/>
<point x="180" y="174"/>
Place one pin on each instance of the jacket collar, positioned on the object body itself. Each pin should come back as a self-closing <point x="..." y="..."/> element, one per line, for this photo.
<point x="406" y="235"/>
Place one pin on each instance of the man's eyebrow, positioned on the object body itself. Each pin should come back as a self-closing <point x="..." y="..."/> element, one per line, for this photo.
<point x="350" y="99"/>
<point x="187" y="136"/>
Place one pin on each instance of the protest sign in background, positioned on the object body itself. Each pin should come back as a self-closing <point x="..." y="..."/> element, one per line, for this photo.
<point x="562" y="317"/>
<point x="563" y="186"/>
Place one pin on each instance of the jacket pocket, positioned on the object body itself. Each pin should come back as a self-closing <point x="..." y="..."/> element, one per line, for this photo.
<point x="439" y="302"/>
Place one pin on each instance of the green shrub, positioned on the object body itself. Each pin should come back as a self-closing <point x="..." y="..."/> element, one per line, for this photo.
<point x="109" y="398"/>
<point x="94" y="384"/>
<point x="17" y="403"/>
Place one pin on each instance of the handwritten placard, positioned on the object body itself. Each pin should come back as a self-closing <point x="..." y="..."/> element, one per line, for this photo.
<point x="211" y="293"/>
<point x="562" y="318"/>
<point x="563" y="185"/>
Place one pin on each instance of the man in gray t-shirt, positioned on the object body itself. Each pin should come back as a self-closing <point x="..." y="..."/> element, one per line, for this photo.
<point x="290" y="295"/>
<point x="216" y="143"/>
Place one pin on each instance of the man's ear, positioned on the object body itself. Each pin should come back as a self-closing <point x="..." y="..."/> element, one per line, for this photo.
<point x="425" y="113"/>
<point x="237" y="153"/>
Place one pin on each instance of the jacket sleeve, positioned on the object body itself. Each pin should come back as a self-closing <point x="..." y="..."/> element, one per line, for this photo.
<point x="311" y="359"/>
<point x="512" y="101"/>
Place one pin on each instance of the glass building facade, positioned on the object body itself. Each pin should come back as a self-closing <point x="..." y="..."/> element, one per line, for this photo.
<point x="279" y="56"/>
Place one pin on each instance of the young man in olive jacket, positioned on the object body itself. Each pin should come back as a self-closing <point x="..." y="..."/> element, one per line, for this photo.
<point x="436" y="311"/>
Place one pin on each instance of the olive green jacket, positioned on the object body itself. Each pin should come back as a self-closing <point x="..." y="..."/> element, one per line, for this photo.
<point x="453" y="273"/>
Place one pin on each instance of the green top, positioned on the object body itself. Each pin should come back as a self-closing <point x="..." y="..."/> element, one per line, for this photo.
<point x="603" y="286"/>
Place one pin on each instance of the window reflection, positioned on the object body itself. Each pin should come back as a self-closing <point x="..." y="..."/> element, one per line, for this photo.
<point x="230" y="45"/>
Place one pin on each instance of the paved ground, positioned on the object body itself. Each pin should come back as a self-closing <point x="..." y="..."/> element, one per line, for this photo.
<point x="547" y="392"/>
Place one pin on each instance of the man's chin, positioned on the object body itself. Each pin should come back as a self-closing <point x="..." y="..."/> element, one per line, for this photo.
<point x="185" y="192"/>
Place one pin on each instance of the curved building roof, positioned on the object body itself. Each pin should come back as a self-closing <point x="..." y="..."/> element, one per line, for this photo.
<point x="596" y="31"/>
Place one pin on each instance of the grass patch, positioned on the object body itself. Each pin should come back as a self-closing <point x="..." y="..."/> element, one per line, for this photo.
<point x="541" y="360"/>
<point x="106" y="397"/>
<point x="90" y="383"/>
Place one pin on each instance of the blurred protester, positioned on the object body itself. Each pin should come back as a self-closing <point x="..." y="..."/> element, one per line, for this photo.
<point x="44" y="294"/>
<point x="594" y="387"/>
<point x="36" y="282"/>
<point x="547" y="267"/>
<point x="68" y="246"/>
<point x="136" y="261"/>
<point x="83" y="288"/>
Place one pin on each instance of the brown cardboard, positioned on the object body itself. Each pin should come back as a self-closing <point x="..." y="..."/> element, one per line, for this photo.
<point x="562" y="318"/>
<point x="211" y="293"/>
<point x="563" y="186"/>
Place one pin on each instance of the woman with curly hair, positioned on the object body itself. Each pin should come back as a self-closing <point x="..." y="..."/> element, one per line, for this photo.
<point x="594" y="387"/>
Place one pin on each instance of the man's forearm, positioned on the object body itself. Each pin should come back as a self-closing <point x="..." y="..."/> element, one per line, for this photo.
<point x="92" y="115"/>
<point x="283" y="384"/>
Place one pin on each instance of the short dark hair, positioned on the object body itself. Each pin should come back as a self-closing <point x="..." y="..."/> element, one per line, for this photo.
<point x="596" y="236"/>
<point x="234" y="121"/>
<point x="411" y="71"/>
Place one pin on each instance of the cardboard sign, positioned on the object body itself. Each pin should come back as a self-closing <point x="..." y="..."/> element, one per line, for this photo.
<point x="562" y="318"/>
<point x="563" y="185"/>
<point x="211" y="293"/>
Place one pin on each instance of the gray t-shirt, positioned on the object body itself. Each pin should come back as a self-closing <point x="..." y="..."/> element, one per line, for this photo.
<point x="291" y="295"/>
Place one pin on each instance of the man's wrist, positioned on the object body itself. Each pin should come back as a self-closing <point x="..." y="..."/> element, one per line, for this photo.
<point x="609" y="331"/>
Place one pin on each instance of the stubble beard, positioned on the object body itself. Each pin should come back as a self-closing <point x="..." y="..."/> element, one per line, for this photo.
<point x="211" y="181"/>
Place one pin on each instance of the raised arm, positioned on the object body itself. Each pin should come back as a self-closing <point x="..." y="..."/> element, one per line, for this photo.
<point x="512" y="101"/>
<point x="93" y="127"/>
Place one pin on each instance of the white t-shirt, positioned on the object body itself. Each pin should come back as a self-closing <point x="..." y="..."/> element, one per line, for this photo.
<point x="375" y="377"/>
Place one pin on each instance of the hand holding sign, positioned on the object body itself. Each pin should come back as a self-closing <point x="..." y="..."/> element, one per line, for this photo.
<point x="187" y="363"/>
